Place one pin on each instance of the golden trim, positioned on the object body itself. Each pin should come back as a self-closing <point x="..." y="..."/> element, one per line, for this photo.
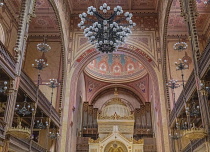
<point x="19" y="131"/>
<point x="194" y="133"/>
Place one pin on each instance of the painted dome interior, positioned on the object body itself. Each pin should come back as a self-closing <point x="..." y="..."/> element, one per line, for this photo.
<point x="115" y="67"/>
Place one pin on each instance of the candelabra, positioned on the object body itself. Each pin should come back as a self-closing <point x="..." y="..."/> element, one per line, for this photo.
<point x="193" y="110"/>
<point x="205" y="86"/>
<point x="43" y="47"/>
<point x="40" y="64"/>
<point x="106" y="32"/>
<point x="182" y="65"/>
<point x="180" y="46"/>
<point x="26" y="109"/>
<point x="183" y="126"/>
<point x="40" y="124"/>
<point x="53" y="84"/>
<point x="3" y="87"/>
<point x="175" y="136"/>
<point x="173" y="84"/>
<point x="54" y="134"/>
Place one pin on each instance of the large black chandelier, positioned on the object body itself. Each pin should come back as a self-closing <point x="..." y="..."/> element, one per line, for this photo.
<point x="106" y="32"/>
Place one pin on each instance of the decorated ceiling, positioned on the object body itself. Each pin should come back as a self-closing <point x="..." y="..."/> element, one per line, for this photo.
<point x="115" y="68"/>
<point x="44" y="21"/>
<point x="177" y="25"/>
<point x="132" y="5"/>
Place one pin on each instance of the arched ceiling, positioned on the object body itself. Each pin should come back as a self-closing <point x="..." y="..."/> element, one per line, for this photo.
<point x="115" y="68"/>
<point x="45" y="22"/>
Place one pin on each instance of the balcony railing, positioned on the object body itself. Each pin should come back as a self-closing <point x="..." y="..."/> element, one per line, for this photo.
<point x="24" y="144"/>
<point x="2" y="126"/>
<point x="30" y="88"/>
<point x="7" y="61"/>
<point x="189" y="88"/>
<point x="193" y="145"/>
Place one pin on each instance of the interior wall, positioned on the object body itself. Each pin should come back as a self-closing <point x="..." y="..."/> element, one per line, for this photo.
<point x="52" y="71"/>
<point x="134" y="103"/>
<point x="10" y="29"/>
<point x="172" y="57"/>
<point x="76" y="115"/>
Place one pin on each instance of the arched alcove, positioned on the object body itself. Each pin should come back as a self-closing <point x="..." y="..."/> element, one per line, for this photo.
<point x="115" y="146"/>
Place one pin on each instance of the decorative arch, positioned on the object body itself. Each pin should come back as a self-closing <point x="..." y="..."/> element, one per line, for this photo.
<point x="128" y="88"/>
<point x="134" y="51"/>
<point x="165" y="77"/>
<point x="63" y="50"/>
<point x="115" y="146"/>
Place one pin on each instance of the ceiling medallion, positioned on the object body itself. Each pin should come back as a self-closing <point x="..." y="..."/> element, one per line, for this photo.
<point x="106" y="32"/>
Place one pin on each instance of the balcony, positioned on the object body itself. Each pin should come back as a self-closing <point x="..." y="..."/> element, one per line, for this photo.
<point x="2" y="132"/>
<point x="190" y="86"/>
<point x="7" y="62"/>
<point x="23" y="145"/>
<point x="43" y="103"/>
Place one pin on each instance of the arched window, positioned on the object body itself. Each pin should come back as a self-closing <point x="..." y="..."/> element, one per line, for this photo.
<point x="2" y="34"/>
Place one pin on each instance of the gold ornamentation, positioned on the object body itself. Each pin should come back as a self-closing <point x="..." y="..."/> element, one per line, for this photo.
<point x="140" y="141"/>
<point x="116" y="100"/>
<point x="19" y="131"/>
<point x="116" y="117"/>
<point x="93" y="141"/>
<point x="194" y="133"/>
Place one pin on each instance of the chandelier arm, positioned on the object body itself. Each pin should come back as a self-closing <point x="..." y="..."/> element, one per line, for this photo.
<point x="112" y="17"/>
<point x="91" y="20"/>
<point x="98" y="16"/>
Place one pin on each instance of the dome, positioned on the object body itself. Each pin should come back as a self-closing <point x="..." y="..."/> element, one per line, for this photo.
<point x="116" y="106"/>
<point x="115" y="67"/>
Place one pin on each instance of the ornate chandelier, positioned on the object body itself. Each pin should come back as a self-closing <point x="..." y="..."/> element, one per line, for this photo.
<point x="106" y="32"/>
<point x="180" y="46"/>
<point x="40" y="64"/>
<point x="40" y="124"/>
<point x="26" y="109"/>
<point x="53" y="134"/>
<point x="175" y="136"/>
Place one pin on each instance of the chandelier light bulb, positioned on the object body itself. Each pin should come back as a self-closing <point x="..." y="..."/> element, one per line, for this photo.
<point x="180" y="46"/>
<point x="106" y="33"/>
<point x="43" y="47"/>
<point x="206" y="2"/>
